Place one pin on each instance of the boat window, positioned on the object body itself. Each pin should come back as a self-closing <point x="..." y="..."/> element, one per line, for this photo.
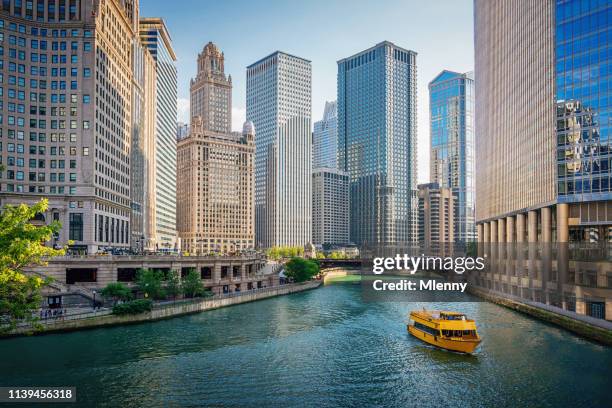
<point x="426" y="329"/>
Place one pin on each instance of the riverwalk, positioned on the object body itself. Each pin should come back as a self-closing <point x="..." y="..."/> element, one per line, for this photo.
<point x="163" y="310"/>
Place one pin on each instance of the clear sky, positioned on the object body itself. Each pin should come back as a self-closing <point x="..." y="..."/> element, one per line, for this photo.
<point x="323" y="31"/>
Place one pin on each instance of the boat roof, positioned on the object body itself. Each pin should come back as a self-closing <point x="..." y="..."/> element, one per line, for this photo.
<point x="438" y="312"/>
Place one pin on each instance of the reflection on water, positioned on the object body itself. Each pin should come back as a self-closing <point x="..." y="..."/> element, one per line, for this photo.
<point x="319" y="348"/>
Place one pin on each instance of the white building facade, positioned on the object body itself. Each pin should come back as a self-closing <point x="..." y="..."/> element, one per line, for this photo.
<point x="279" y="93"/>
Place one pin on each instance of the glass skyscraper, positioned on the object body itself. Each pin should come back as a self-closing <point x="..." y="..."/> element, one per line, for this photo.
<point x="542" y="151"/>
<point x="377" y="143"/>
<point x="325" y="138"/>
<point x="279" y="93"/>
<point x="583" y="74"/>
<point x="451" y="109"/>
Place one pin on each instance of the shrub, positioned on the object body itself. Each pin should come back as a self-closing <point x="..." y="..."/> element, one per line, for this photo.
<point x="133" y="307"/>
<point x="116" y="291"/>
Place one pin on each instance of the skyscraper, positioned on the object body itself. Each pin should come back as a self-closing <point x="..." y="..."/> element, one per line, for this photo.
<point x="542" y="149"/>
<point x="325" y="138"/>
<point x="377" y="143"/>
<point x="215" y="167"/>
<point x="436" y="219"/>
<point x="142" y="162"/>
<point x="583" y="61"/>
<point x="330" y="207"/>
<point x="155" y="37"/>
<point x="211" y="91"/>
<point x="279" y="105"/>
<point x="451" y="110"/>
<point x="69" y="141"/>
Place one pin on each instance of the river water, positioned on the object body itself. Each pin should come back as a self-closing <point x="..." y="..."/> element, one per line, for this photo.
<point x="324" y="347"/>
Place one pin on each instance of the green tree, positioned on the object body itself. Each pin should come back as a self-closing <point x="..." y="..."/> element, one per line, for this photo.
<point x="150" y="283"/>
<point x="173" y="287"/>
<point x="22" y="244"/>
<point x="117" y="291"/>
<point x="336" y="255"/>
<point x="192" y="284"/>
<point x="301" y="270"/>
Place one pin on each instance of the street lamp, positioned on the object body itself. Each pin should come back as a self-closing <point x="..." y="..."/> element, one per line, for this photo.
<point x="94" y="300"/>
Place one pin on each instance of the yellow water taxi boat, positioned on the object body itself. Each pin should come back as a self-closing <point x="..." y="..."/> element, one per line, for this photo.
<point x="448" y="330"/>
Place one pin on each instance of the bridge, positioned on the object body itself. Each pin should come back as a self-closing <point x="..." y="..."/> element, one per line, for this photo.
<point x="329" y="263"/>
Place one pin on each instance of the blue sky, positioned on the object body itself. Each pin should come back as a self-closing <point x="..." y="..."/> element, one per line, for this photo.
<point x="441" y="32"/>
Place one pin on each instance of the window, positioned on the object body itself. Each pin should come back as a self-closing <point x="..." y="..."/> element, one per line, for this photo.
<point x="76" y="226"/>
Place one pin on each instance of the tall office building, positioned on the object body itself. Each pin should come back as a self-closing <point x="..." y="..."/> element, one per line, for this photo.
<point x="377" y="143"/>
<point x="436" y="219"/>
<point x="142" y="161"/>
<point x="279" y="105"/>
<point x="155" y="37"/>
<point x="542" y="175"/>
<point x="325" y="138"/>
<point x="451" y="115"/>
<point x="65" y="115"/>
<point x="211" y="91"/>
<point x="583" y="65"/>
<point x="330" y="208"/>
<point x="182" y="130"/>
<point x="215" y="167"/>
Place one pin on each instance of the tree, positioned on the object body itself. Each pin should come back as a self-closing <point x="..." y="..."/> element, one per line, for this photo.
<point x="22" y="244"/>
<point x="336" y="255"/>
<point x="173" y="287"/>
<point x="301" y="270"/>
<point x="117" y="291"/>
<point x="150" y="283"/>
<point x="192" y="284"/>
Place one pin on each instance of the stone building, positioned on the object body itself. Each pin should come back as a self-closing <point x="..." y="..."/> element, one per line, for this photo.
<point x="215" y="167"/>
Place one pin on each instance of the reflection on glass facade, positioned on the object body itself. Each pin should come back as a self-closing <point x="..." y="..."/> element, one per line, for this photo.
<point x="377" y="143"/>
<point x="583" y="68"/>
<point x="325" y="138"/>
<point x="451" y="109"/>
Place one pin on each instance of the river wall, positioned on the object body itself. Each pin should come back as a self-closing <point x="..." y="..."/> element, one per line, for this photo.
<point x="582" y="328"/>
<point x="168" y="310"/>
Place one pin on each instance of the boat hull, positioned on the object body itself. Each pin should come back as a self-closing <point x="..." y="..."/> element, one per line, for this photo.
<point x="460" y="346"/>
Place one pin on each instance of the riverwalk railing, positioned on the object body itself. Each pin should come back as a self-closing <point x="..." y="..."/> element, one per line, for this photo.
<point x="170" y="303"/>
<point x="50" y="320"/>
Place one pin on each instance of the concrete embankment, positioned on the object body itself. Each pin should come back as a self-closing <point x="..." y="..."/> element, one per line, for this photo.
<point x="168" y="310"/>
<point x="582" y="328"/>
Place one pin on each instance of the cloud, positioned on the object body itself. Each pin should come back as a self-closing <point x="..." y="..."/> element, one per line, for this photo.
<point x="238" y="118"/>
<point x="182" y="107"/>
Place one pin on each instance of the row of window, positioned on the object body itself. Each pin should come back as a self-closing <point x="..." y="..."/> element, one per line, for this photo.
<point x="43" y="32"/>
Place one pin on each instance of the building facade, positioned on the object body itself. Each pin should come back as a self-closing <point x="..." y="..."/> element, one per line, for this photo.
<point x="543" y="211"/>
<point x="142" y="163"/>
<point x="436" y="219"/>
<point x="377" y="143"/>
<point x="156" y="39"/>
<point x="182" y="130"/>
<point x="279" y="105"/>
<point x="66" y="116"/>
<point x="583" y="65"/>
<point x="330" y="207"/>
<point x="215" y="190"/>
<point x="325" y="138"/>
<point x="451" y="118"/>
